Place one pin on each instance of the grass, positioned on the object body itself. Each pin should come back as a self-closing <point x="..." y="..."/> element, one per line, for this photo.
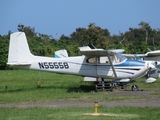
<point x="22" y="87"/>
<point x="118" y="113"/>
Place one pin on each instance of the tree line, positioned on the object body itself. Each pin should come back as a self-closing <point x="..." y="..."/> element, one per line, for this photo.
<point x="133" y="41"/>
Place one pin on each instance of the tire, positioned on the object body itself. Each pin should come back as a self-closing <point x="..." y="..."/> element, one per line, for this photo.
<point x="134" y="88"/>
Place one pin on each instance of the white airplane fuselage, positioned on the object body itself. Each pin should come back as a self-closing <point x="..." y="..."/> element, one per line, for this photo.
<point x="20" y="56"/>
<point x="78" y="66"/>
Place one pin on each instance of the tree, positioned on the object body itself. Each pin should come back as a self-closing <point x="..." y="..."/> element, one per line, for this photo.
<point x="135" y="40"/>
<point x="145" y="26"/>
<point x="3" y="51"/>
<point x="27" y="29"/>
<point x="93" y="35"/>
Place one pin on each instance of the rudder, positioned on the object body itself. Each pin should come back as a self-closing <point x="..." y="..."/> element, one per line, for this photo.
<point x="19" y="53"/>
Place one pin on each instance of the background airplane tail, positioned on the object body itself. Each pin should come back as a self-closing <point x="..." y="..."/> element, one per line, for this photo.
<point x="61" y="54"/>
<point x="19" y="53"/>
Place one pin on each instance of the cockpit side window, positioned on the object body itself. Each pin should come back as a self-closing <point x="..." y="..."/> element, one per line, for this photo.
<point x="103" y="59"/>
<point x="91" y="60"/>
<point x="115" y="58"/>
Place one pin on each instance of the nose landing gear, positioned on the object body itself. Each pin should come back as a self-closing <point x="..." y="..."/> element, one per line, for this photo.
<point x="134" y="87"/>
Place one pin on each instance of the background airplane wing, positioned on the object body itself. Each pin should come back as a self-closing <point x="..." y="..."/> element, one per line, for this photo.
<point x="133" y="55"/>
<point x="153" y="53"/>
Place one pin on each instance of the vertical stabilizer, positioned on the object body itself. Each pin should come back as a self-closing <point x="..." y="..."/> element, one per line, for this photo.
<point x="19" y="53"/>
<point x="61" y="54"/>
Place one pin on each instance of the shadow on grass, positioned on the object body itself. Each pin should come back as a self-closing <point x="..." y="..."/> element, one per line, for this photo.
<point x="15" y="90"/>
<point x="26" y="89"/>
<point x="82" y="88"/>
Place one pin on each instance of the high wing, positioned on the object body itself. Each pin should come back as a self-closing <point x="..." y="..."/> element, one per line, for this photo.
<point x="94" y="52"/>
<point x="86" y="50"/>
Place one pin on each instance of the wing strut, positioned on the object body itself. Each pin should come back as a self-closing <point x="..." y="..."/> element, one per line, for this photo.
<point x="114" y="72"/>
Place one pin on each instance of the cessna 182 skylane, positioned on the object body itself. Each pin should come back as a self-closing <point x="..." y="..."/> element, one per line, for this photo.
<point x="96" y="63"/>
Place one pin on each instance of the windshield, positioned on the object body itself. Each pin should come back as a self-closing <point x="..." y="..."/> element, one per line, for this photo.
<point x="119" y="57"/>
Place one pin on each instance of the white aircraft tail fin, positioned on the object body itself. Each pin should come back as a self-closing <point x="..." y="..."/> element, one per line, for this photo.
<point x="19" y="53"/>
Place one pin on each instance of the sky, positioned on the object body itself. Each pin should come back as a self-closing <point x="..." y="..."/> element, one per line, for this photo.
<point x="58" y="17"/>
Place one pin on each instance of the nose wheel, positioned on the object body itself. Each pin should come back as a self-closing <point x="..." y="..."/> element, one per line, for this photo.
<point x="134" y="87"/>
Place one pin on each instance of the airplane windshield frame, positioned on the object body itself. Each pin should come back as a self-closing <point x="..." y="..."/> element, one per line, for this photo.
<point x="120" y="57"/>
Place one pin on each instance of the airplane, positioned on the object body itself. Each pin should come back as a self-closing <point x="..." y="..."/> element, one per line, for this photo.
<point x="153" y="74"/>
<point x="121" y="83"/>
<point x="92" y="63"/>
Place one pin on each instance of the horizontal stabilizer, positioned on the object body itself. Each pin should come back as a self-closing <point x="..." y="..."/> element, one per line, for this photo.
<point x="18" y="63"/>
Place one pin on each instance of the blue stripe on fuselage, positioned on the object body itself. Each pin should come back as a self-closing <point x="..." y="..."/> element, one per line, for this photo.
<point x="132" y="63"/>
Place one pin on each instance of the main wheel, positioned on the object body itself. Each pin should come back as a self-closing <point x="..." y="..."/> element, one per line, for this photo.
<point x="134" y="88"/>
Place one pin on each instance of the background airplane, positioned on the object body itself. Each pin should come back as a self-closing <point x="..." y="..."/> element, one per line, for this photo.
<point x="61" y="54"/>
<point x="96" y="63"/>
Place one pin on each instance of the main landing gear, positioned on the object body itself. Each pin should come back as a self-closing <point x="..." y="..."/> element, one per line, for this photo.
<point x="104" y="86"/>
<point x="110" y="85"/>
